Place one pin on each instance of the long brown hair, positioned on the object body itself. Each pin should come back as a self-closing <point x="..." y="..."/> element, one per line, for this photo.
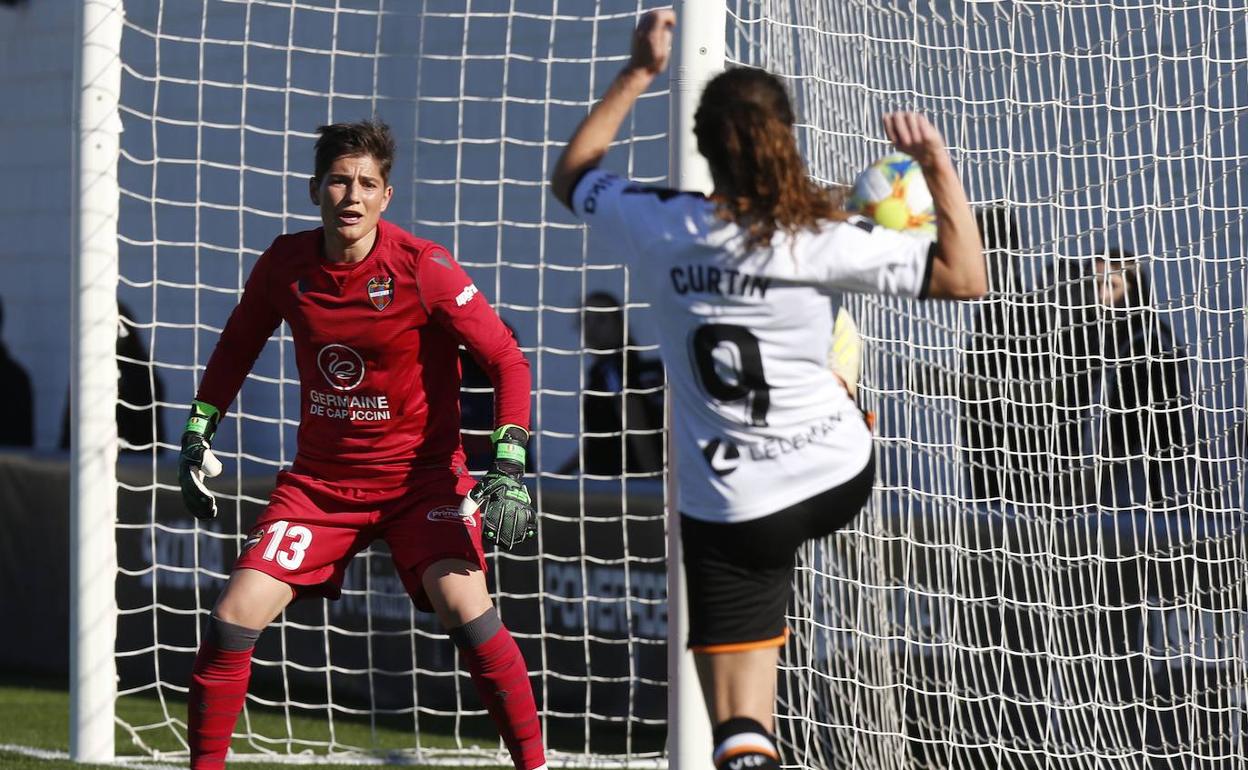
<point x="744" y="126"/>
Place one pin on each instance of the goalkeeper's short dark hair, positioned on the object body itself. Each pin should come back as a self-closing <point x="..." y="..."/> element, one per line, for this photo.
<point x="366" y="137"/>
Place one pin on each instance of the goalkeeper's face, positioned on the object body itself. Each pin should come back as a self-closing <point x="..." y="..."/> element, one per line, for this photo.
<point x="351" y="195"/>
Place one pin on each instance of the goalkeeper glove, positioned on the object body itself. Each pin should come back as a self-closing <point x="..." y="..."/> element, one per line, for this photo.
<point x="198" y="461"/>
<point x="845" y="359"/>
<point x="507" y="515"/>
<point x="845" y="355"/>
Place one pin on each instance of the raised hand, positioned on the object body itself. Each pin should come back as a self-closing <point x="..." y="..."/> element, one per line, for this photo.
<point x="914" y="135"/>
<point x="652" y="41"/>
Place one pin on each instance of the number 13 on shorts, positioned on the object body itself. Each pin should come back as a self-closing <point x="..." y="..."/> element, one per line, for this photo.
<point x="287" y="544"/>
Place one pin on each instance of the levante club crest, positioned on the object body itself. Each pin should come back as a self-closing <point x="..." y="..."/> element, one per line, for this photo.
<point x="380" y="291"/>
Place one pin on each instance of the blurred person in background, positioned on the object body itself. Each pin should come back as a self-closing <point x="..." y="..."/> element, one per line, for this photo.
<point x="1034" y="345"/>
<point x="1145" y="389"/>
<point x="140" y="391"/>
<point x="985" y="431"/>
<point x="622" y="403"/>
<point x="17" y="424"/>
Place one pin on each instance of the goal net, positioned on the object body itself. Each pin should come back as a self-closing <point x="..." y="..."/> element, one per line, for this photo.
<point x="220" y="103"/>
<point x="1051" y="570"/>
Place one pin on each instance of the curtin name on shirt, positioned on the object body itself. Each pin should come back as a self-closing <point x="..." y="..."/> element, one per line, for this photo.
<point x="359" y="408"/>
<point x="704" y="279"/>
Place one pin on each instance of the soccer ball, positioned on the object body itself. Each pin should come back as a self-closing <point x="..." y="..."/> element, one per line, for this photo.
<point x="892" y="192"/>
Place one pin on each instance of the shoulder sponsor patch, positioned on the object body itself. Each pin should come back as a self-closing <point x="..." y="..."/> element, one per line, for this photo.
<point x="600" y="185"/>
<point x="466" y="295"/>
<point x="451" y="513"/>
<point x="253" y="539"/>
<point x="862" y="223"/>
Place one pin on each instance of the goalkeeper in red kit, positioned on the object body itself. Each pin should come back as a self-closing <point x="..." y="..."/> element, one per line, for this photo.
<point x="377" y="317"/>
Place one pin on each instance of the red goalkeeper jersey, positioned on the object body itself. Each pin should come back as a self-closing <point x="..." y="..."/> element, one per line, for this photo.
<point x="376" y="343"/>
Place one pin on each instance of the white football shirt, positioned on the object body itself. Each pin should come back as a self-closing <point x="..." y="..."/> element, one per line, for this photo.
<point x="759" y="421"/>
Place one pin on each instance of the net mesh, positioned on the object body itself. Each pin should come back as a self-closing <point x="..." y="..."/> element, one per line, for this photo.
<point x="1051" y="571"/>
<point x="220" y="103"/>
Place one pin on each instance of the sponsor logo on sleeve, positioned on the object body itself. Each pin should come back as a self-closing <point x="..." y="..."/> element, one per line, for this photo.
<point x="380" y="291"/>
<point x="600" y="185"/>
<point x="466" y="295"/>
<point x="253" y="539"/>
<point x="452" y="513"/>
<point x="862" y="223"/>
<point x="341" y="366"/>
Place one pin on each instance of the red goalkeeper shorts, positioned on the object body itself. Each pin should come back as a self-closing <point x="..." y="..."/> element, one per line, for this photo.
<point x="312" y="528"/>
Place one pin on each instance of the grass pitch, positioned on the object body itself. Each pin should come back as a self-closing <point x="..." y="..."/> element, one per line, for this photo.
<point x="34" y="734"/>
<point x="35" y="717"/>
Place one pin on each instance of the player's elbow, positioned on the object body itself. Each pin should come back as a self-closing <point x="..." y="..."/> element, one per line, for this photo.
<point x="559" y="184"/>
<point x="579" y="158"/>
<point x="513" y="367"/>
<point x="522" y="367"/>
<point x="969" y="289"/>
<point x="564" y="177"/>
<point x="959" y="276"/>
<point x="973" y="287"/>
<point x="979" y="287"/>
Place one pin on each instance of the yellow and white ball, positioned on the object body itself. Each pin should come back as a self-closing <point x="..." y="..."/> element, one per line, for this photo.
<point x="892" y="192"/>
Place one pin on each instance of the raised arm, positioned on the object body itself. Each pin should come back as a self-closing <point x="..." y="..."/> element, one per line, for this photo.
<point x="652" y="44"/>
<point x="958" y="269"/>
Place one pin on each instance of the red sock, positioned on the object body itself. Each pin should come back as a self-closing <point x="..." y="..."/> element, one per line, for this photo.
<point x="502" y="681"/>
<point x="218" y="688"/>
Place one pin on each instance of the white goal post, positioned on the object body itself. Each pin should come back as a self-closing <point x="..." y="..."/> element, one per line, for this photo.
<point x="1052" y="569"/>
<point x="697" y="56"/>
<point x="93" y="380"/>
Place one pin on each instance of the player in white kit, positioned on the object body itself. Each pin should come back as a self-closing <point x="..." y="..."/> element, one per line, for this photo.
<point x="770" y="448"/>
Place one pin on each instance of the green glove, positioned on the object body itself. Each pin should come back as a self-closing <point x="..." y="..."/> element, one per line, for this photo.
<point x="507" y="515"/>
<point x="198" y="461"/>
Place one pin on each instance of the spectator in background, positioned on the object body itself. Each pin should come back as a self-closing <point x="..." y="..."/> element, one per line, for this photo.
<point x="1145" y="390"/>
<point x="622" y="404"/>
<point x="17" y="422"/>
<point x="983" y="413"/>
<point x="1010" y="372"/>
<point x="1030" y="347"/>
<point x="139" y="390"/>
